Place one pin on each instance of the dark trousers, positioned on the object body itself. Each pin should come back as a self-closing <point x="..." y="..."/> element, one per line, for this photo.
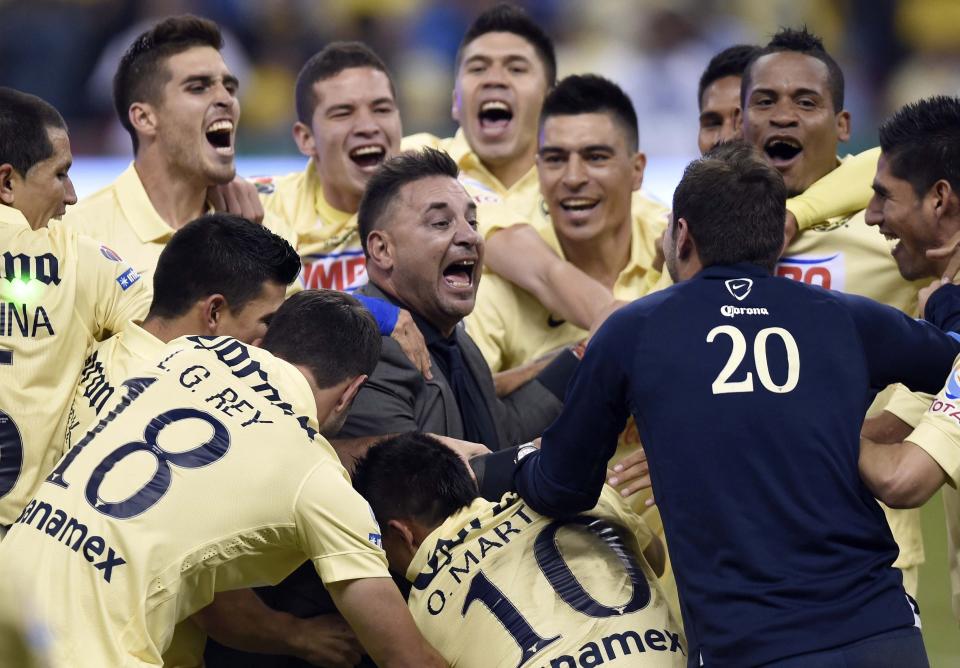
<point x="902" y="648"/>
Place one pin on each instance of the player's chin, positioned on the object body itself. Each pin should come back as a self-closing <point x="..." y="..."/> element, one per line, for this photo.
<point x="221" y="174"/>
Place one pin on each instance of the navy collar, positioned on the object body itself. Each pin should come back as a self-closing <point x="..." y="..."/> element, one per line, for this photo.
<point x="734" y="271"/>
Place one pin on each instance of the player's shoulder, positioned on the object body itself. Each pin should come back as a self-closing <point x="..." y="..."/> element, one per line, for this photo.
<point x="646" y="206"/>
<point x="93" y="206"/>
<point x="277" y="186"/>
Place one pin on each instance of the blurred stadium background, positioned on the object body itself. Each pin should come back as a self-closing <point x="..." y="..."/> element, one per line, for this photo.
<point x="892" y="52"/>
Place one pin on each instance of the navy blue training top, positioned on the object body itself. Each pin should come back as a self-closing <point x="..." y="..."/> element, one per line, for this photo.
<point x="749" y="392"/>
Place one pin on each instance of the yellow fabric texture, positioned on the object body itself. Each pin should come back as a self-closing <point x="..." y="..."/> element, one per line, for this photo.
<point x="842" y="192"/>
<point x="64" y="292"/>
<point x="487" y="555"/>
<point x="210" y="478"/>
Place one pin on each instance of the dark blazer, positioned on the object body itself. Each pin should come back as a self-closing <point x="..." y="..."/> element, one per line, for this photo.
<point x="396" y="398"/>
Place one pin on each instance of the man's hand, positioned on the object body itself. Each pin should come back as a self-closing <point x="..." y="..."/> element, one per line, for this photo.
<point x="466" y="450"/>
<point x="408" y="335"/>
<point x="238" y="197"/>
<point x="326" y="640"/>
<point x="790" y="229"/>
<point x="631" y="474"/>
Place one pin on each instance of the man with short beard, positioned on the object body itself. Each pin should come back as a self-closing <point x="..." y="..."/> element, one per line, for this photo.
<point x="178" y="100"/>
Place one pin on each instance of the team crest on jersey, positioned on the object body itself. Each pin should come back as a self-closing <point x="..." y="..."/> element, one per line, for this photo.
<point x="739" y="288"/>
<point x="109" y="254"/>
<point x="953" y="385"/>
<point x="264" y="185"/>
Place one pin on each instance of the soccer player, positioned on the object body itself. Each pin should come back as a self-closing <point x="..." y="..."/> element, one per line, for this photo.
<point x="141" y="523"/>
<point x="719" y="95"/>
<point x="751" y="426"/>
<point x="793" y="112"/>
<point x="178" y="100"/>
<point x="498" y="584"/>
<point x="911" y="448"/>
<point x="59" y="291"/>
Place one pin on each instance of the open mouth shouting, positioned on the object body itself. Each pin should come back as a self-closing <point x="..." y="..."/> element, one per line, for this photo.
<point x="461" y="274"/>
<point x="368" y="156"/>
<point x="219" y="135"/>
<point x="579" y="207"/>
<point x="782" y="151"/>
<point x="495" y="117"/>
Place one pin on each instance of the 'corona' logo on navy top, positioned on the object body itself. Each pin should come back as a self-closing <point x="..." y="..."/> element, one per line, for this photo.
<point x="739" y="288"/>
<point x="953" y="385"/>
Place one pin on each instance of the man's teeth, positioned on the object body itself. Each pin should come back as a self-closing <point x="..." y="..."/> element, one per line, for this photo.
<point x="367" y="150"/>
<point x="578" y="204"/>
<point x="220" y="126"/>
<point x="494" y="105"/>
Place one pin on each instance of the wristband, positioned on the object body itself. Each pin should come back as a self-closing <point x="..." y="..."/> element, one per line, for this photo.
<point x="382" y="311"/>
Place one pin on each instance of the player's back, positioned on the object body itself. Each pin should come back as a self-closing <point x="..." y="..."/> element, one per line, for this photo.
<point x="189" y="485"/>
<point x="58" y="292"/>
<point x="501" y="585"/>
<point x="749" y="392"/>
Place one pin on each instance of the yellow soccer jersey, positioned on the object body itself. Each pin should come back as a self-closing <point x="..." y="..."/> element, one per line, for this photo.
<point x="208" y="476"/>
<point x="938" y="432"/>
<point x="498" y="585"/>
<point x="840" y="193"/>
<point x="59" y="291"/>
<point x="329" y="239"/>
<point x="122" y="216"/>
<point x="121" y="356"/>
<point x="511" y="327"/>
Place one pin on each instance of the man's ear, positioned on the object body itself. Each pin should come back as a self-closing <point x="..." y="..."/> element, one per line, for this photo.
<point x="943" y="199"/>
<point x="843" y="126"/>
<point x="455" y="105"/>
<point x="8" y="177"/>
<point x="405" y="533"/>
<point x="683" y="240"/>
<point x="380" y="249"/>
<point x="303" y="136"/>
<point x="143" y="119"/>
<point x="349" y="392"/>
<point x="212" y="310"/>
<point x="639" y="164"/>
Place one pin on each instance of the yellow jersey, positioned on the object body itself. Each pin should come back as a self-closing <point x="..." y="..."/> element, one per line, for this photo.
<point x="122" y="216"/>
<point x="59" y="292"/>
<point x="497" y="584"/>
<point x="111" y="362"/>
<point x="209" y="475"/>
<point x="843" y="191"/>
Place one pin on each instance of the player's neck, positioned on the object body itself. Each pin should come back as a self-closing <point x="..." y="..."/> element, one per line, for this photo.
<point x="168" y="329"/>
<point x="348" y="202"/>
<point x="603" y="257"/>
<point x="176" y="197"/>
<point x="511" y="171"/>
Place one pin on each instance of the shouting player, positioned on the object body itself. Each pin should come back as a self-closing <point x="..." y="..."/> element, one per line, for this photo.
<point x="49" y="312"/>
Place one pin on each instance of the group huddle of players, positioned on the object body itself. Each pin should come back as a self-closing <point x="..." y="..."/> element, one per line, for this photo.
<point x="180" y="350"/>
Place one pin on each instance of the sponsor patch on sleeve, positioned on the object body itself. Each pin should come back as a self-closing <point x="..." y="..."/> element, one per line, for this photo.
<point x="128" y="278"/>
<point x="264" y="184"/>
<point x="375" y="539"/>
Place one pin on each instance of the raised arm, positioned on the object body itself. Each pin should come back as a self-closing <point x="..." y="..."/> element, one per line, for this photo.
<point x="845" y="190"/>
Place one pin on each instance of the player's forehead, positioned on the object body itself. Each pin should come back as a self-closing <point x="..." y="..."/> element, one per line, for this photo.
<point x="61" y="158"/>
<point x="499" y="47"/>
<point x="576" y="132"/>
<point x="722" y="95"/>
<point x="195" y="62"/>
<point x="422" y="197"/>
<point x="786" y="72"/>
<point x="353" y="86"/>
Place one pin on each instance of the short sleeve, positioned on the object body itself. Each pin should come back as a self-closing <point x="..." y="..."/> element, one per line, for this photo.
<point x="111" y="289"/>
<point x="938" y="432"/>
<point x="336" y="528"/>
<point x="908" y="406"/>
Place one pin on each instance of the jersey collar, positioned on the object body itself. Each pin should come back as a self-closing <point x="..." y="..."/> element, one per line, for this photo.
<point x="472" y="167"/>
<point x="734" y="270"/>
<point x="138" y="209"/>
<point x="12" y="216"/>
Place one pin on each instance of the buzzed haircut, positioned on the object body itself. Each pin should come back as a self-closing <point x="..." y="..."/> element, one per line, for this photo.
<point x="592" y="94"/>
<point x="219" y="254"/>
<point x="921" y="143"/>
<point x="805" y="42"/>
<point x="142" y="71"/>
<point x="24" y="123"/>
<point x="328" y="332"/>
<point x="328" y="63"/>
<point x="731" y="62"/>
<point x="734" y="204"/>
<point x="414" y="476"/>
<point x="386" y="182"/>
<point x="506" y="17"/>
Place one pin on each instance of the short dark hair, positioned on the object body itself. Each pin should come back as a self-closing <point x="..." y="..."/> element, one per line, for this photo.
<point x="219" y="254"/>
<point x="24" y="123"/>
<point x="142" y="73"/>
<point x="805" y="42"/>
<point x="735" y="204"/>
<point x="328" y="63"/>
<point x="921" y="142"/>
<point x="731" y="62"/>
<point x="329" y="332"/>
<point x="506" y="17"/>
<point x="392" y="175"/>
<point x="589" y="94"/>
<point x="414" y="476"/>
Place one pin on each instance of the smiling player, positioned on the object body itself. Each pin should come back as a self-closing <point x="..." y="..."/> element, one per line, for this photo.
<point x="178" y="100"/>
